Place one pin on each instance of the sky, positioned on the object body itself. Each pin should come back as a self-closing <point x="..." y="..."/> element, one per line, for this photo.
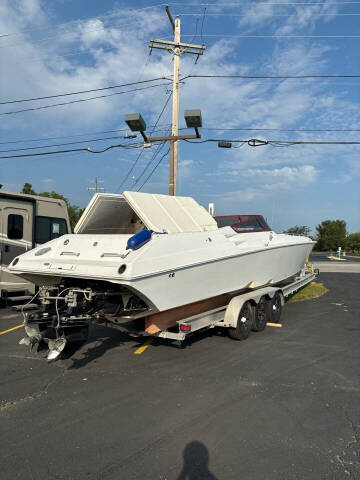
<point x="63" y="46"/>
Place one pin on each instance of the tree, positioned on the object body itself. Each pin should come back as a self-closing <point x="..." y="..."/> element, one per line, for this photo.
<point x="74" y="211"/>
<point x="27" y="188"/>
<point x="353" y="242"/>
<point x="331" y="235"/>
<point x="298" y="230"/>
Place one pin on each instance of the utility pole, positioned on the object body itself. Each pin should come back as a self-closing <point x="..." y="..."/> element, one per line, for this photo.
<point x="96" y="187"/>
<point x="177" y="48"/>
<point x="174" y="146"/>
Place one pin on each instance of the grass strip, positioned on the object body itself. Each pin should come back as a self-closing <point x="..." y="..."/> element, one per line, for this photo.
<point x="312" y="290"/>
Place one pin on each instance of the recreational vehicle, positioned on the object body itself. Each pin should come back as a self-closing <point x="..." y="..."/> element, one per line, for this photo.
<point x="25" y="222"/>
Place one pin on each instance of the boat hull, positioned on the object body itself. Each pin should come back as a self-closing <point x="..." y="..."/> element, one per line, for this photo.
<point x="255" y="269"/>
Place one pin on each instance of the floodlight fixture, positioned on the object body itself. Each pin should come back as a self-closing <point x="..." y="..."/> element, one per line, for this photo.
<point x="136" y="123"/>
<point x="193" y="118"/>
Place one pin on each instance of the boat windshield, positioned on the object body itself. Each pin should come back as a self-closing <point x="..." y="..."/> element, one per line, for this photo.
<point x="243" y="223"/>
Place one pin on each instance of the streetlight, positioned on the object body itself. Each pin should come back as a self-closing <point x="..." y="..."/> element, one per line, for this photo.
<point x="192" y="119"/>
<point x="136" y="124"/>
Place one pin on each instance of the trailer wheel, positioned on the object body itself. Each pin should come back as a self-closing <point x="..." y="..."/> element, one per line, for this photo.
<point x="261" y="314"/>
<point x="276" y="307"/>
<point x="244" y="323"/>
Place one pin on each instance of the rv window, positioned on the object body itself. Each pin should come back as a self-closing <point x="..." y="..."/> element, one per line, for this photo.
<point x="15" y="227"/>
<point x="48" y="228"/>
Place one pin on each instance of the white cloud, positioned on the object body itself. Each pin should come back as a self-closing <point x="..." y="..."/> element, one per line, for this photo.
<point x="283" y="20"/>
<point x="290" y="173"/>
<point x="265" y="182"/>
<point x="48" y="183"/>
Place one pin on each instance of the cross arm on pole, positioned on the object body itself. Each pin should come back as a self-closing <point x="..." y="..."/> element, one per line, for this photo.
<point x="173" y="138"/>
<point x="170" y="46"/>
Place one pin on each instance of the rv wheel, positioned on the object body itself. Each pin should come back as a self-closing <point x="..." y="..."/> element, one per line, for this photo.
<point x="244" y="323"/>
<point x="276" y="307"/>
<point x="262" y="313"/>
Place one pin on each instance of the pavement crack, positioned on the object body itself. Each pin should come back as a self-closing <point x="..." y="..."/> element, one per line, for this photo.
<point x="33" y="396"/>
<point x="346" y="459"/>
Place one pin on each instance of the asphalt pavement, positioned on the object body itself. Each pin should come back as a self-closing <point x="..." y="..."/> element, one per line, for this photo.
<point x="283" y="404"/>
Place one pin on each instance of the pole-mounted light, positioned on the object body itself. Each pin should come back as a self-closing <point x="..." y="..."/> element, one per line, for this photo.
<point x="192" y="119"/>
<point x="136" y="124"/>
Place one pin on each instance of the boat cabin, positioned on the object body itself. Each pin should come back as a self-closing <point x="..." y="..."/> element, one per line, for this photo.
<point x="243" y="223"/>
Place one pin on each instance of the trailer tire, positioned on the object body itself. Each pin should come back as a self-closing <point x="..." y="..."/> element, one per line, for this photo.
<point x="276" y="307"/>
<point x="261" y="314"/>
<point x="244" y="323"/>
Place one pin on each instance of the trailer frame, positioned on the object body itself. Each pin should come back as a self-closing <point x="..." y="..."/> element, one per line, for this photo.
<point x="227" y="316"/>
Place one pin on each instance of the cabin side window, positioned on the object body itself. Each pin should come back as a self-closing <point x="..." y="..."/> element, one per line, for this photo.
<point x="48" y="228"/>
<point x="15" y="227"/>
<point x="226" y="221"/>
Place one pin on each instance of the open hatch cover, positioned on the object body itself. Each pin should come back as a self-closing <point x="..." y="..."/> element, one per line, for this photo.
<point x="132" y="211"/>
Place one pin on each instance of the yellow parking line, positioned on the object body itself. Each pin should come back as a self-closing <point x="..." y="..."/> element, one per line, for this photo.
<point x="142" y="349"/>
<point x="277" y="325"/>
<point x="11" y="329"/>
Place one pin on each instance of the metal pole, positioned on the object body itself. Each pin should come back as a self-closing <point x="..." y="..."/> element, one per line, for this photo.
<point x="96" y="185"/>
<point x="174" y="145"/>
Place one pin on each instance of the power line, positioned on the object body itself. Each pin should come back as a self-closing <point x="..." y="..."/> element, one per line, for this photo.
<point x="153" y="170"/>
<point x="69" y="54"/>
<point x="80" y="20"/>
<point x="37" y="154"/>
<point x="77" y="135"/>
<point x="61" y="144"/>
<point x="110" y="87"/>
<point x="270" y="77"/>
<point x="157" y="79"/>
<point x="222" y="35"/>
<point x="41" y="40"/>
<point x="82" y="100"/>
<point x="250" y="4"/>
<point x="202" y="26"/>
<point x="283" y="129"/>
<point x="160" y="147"/>
<point x="269" y="14"/>
<point x="254" y="142"/>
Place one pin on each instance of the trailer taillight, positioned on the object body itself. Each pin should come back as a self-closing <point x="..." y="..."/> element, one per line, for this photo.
<point x="185" y="328"/>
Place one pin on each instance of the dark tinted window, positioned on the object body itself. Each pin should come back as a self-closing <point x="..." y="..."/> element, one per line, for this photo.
<point x="48" y="228"/>
<point x="226" y="221"/>
<point x="264" y="222"/>
<point x="248" y="226"/>
<point x="15" y="227"/>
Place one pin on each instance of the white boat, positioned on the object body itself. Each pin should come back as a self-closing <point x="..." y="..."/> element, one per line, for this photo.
<point x="135" y="255"/>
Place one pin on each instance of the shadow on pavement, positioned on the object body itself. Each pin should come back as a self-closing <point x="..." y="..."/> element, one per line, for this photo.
<point x="101" y="340"/>
<point x="196" y="463"/>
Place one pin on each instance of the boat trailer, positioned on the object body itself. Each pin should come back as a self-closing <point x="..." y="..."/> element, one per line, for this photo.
<point x="246" y="312"/>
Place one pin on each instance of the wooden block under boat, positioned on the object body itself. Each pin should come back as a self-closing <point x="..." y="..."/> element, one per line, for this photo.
<point x="162" y="320"/>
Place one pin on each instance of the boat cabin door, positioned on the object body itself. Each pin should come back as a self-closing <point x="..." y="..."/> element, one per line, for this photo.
<point x="16" y="237"/>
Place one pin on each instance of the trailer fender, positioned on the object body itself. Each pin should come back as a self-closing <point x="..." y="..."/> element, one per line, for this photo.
<point x="236" y="303"/>
<point x="232" y="311"/>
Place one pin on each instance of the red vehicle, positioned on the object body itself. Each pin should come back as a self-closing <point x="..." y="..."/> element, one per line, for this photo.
<point x="243" y="223"/>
